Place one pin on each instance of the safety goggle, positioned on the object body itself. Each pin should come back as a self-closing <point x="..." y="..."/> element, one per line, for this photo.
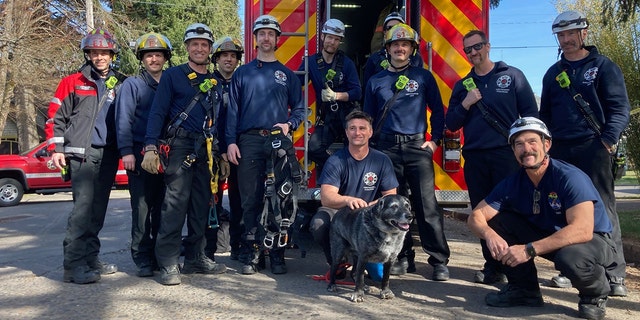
<point x="334" y="29"/>
<point x="476" y="47"/>
<point x="266" y="22"/>
<point x="565" y="23"/>
<point x="200" y="30"/>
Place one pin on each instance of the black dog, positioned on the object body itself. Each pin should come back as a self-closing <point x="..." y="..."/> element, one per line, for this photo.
<point x="371" y="234"/>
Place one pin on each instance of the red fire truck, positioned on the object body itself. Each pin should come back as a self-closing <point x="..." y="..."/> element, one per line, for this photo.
<point x="441" y="25"/>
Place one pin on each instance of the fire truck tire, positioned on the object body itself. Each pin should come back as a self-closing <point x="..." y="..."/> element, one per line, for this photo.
<point x="11" y="192"/>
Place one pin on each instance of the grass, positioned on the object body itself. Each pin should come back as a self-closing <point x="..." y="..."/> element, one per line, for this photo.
<point x="630" y="224"/>
<point x="629" y="179"/>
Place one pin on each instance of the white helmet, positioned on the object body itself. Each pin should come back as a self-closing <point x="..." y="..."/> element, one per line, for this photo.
<point x="266" y="21"/>
<point x="393" y="16"/>
<point x="528" y="124"/>
<point x="569" y="20"/>
<point x="334" y="27"/>
<point x="198" y="31"/>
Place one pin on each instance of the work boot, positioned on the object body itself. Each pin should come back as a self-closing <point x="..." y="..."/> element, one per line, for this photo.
<point x="399" y="267"/>
<point x="489" y="276"/>
<point x="276" y="260"/>
<point x="145" y="270"/>
<point x="202" y="264"/>
<point x="170" y="275"/>
<point x="103" y="267"/>
<point x="592" y="308"/>
<point x="560" y="281"/>
<point x="411" y="260"/>
<point x="512" y="296"/>
<point x="618" y="289"/>
<point x="81" y="275"/>
<point x="440" y="272"/>
<point x="253" y="262"/>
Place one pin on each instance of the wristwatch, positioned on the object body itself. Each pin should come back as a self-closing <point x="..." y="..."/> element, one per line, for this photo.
<point x="151" y="147"/>
<point x="290" y="125"/>
<point x="531" y="251"/>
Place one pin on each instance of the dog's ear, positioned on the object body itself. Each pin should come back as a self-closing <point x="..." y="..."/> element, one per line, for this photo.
<point x="377" y="208"/>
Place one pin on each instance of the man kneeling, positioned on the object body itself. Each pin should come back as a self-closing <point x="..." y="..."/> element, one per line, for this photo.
<point x="548" y="208"/>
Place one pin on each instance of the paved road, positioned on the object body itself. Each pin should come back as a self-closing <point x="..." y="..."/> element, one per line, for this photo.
<point x="30" y="280"/>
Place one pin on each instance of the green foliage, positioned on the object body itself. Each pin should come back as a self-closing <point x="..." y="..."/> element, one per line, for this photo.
<point x="171" y="18"/>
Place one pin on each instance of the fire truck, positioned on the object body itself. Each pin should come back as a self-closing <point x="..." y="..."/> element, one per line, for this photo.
<point x="440" y="24"/>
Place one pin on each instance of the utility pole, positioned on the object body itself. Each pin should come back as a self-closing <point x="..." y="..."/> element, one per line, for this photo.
<point x="89" y="15"/>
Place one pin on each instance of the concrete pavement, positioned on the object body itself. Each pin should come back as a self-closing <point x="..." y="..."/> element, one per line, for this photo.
<point x="30" y="277"/>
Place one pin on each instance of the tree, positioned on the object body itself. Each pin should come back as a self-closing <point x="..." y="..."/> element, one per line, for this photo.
<point x="171" y="18"/>
<point x="31" y="44"/>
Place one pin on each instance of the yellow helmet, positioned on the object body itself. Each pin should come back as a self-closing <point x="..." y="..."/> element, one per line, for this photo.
<point x="153" y="42"/>
<point x="401" y="31"/>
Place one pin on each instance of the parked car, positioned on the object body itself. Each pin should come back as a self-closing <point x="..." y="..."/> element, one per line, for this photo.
<point x="30" y="172"/>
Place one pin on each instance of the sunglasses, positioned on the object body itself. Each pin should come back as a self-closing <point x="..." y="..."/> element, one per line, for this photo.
<point x="476" y="47"/>
<point x="536" y="199"/>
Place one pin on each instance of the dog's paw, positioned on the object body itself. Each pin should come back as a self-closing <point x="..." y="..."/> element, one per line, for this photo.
<point x="332" y="288"/>
<point x="387" y="294"/>
<point x="357" y="296"/>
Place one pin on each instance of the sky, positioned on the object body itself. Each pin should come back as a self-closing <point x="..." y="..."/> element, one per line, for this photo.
<point x="520" y="35"/>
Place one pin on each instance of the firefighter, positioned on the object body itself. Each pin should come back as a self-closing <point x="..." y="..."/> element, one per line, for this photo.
<point x="261" y="93"/>
<point x="397" y="99"/>
<point x="378" y="60"/>
<point x="335" y="80"/>
<point x="153" y="50"/>
<point x="485" y="102"/>
<point x="81" y="133"/>
<point x="548" y="208"/>
<point x="187" y="102"/>
<point x="227" y="54"/>
<point x="586" y="110"/>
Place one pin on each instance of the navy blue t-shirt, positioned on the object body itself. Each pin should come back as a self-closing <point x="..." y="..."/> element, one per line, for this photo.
<point x="562" y="186"/>
<point x="364" y="179"/>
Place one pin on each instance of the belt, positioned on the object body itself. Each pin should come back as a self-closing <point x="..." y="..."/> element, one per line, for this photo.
<point x="182" y="133"/>
<point x="260" y="132"/>
<point x="400" y="138"/>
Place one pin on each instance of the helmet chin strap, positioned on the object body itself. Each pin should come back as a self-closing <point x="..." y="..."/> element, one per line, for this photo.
<point x="537" y="165"/>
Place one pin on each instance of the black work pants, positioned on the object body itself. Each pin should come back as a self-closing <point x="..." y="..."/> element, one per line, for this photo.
<point x="583" y="263"/>
<point x="187" y="196"/>
<point x="147" y="193"/>
<point x="251" y="177"/>
<point x="320" y="227"/>
<point x="327" y="131"/>
<point x="591" y="157"/>
<point x="483" y="170"/>
<point x="91" y="182"/>
<point x="413" y="166"/>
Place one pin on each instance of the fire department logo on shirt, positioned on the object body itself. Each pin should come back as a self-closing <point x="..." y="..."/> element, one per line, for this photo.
<point x="412" y="86"/>
<point x="554" y="202"/>
<point x="591" y="74"/>
<point x="281" y="77"/>
<point x="370" y="179"/>
<point x="504" y="81"/>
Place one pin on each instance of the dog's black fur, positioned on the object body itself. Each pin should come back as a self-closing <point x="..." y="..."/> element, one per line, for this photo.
<point x="371" y="234"/>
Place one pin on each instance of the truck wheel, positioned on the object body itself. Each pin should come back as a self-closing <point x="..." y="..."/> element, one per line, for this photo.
<point x="11" y="192"/>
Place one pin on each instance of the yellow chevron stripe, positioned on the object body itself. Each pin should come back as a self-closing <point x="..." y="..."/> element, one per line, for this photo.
<point x="443" y="47"/>
<point x="293" y="44"/>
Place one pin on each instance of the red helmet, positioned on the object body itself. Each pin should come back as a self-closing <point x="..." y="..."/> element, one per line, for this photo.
<point x="99" y="39"/>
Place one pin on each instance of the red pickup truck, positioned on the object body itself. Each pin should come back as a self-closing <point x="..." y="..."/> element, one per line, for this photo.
<point x="29" y="173"/>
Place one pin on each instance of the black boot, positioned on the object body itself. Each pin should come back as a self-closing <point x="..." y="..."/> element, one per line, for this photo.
<point x="276" y="259"/>
<point x="253" y="259"/>
<point x="411" y="259"/>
